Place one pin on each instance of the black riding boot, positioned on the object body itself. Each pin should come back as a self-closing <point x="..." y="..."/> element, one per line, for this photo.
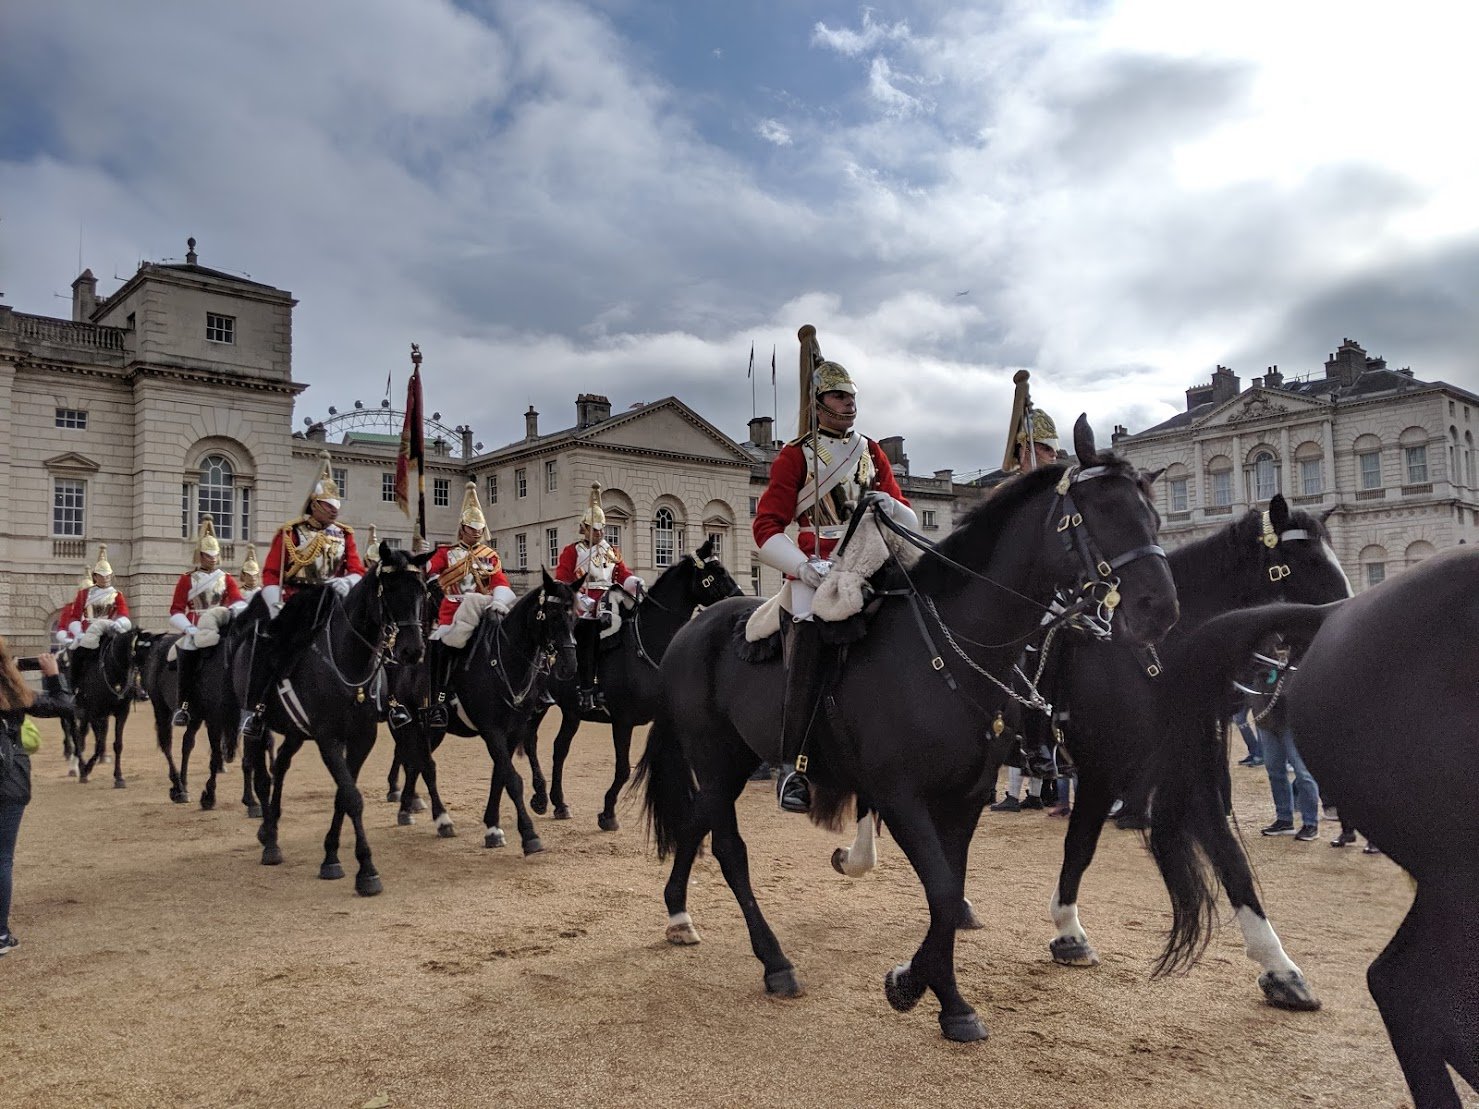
<point x="587" y="633"/>
<point x="440" y="664"/>
<point x="260" y="676"/>
<point x="802" y="648"/>
<point x="185" y="682"/>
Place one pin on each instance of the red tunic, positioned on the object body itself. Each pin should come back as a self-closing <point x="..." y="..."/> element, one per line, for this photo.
<point x="598" y="579"/>
<point x="448" y="608"/>
<point x="777" y="508"/>
<point x="77" y="608"/>
<point x="272" y="569"/>
<point x="181" y="602"/>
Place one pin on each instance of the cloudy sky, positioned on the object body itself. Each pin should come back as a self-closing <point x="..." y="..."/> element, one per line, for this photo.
<point x="621" y="196"/>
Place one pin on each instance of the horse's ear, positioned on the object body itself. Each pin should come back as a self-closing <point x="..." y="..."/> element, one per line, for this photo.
<point x="706" y="551"/>
<point x="420" y="560"/>
<point x="1278" y="513"/>
<point x="1149" y="476"/>
<point x="1083" y="440"/>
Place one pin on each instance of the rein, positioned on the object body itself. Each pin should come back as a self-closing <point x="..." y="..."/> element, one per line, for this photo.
<point x="389" y="630"/>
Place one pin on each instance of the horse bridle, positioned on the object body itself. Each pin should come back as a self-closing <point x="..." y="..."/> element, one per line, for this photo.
<point x="1099" y="572"/>
<point x="389" y="630"/>
<point x="704" y="583"/>
<point x="1278" y="571"/>
<point x="540" y="666"/>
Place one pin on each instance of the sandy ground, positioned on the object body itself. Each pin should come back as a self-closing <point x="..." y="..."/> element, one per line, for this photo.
<point x="162" y="965"/>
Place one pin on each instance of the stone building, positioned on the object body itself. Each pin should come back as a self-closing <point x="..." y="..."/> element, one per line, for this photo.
<point x="1389" y="457"/>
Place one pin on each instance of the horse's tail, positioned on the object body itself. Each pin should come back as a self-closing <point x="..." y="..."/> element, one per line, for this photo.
<point x="1189" y="808"/>
<point x="667" y="806"/>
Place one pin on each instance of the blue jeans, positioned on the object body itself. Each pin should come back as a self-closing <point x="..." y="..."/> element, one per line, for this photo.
<point x="10" y="827"/>
<point x="1280" y="757"/>
<point x="1249" y="730"/>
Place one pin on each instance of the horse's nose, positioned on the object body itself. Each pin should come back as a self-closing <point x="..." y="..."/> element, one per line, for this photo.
<point x="1155" y="614"/>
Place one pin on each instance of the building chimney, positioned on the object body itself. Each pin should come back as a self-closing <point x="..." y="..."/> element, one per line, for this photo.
<point x="762" y="431"/>
<point x="84" y="297"/>
<point x="191" y="258"/>
<point x="1120" y="431"/>
<point x="893" y="450"/>
<point x="531" y="424"/>
<point x="1225" y="385"/>
<point x="466" y="430"/>
<point x="317" y="433"/>
<point x="947" y="476"/>
<point x="1272" y="378"/>
<point x="1346" y="364"/>
<point x="591" y="409"/>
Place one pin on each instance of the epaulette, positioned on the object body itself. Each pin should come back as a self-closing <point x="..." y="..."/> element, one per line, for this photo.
<point x="345" y="528"/>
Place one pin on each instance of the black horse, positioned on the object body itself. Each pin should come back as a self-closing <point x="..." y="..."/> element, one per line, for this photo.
<point x="105" y="681"/>
<point x="1387" y="683"/>
<point x="904" y="719"/>
<point x="500" y="680"/>
<point x="331" y="656"/>
<point x="627" y="670"/>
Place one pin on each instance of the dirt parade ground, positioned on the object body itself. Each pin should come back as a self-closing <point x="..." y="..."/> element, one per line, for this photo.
<point x="161" y="964"/>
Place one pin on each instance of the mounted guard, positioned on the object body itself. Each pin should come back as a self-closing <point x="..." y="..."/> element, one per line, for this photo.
<point x="314" y="549"/>
<point x="249" y="581"/>
<point x="817" y="481"/>
<point x="198" y="590"/>
<point x="602" y="568"/>
<point x="97" y="608"/>
<point x="463" y="570"/>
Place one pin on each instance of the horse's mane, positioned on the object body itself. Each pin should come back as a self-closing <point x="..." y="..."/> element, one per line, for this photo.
<point x="1214" y="565"/>
<point x="302" y="615"/>
<point x="974" y="539"/>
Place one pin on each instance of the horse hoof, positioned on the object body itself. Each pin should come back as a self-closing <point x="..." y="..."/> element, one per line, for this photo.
<point x="71" y="772"/>
<point x="963" y="1028"/>
<point x="368" y="885"/>
<point x="607" y="823"/>
<point x="783" y="983"/>
<point x="494" y="838"/>
<point x="393" y="795"/>
<point x="1069" y="951"/>
<point x="562" y="812"/>
<point x="254" y="812"/>
<point x="682" y="935"/>
<point x="272" y="855"/>
<point x="539" y="803"/>
<point x="418" y="804"/>
<point x="1288" y="991"/>
<point x="119" y="783"/>
<point x="446" y="831"/>
<point x="969" y="921"/>
<point x="207" y="804"/>
<point x="330" y="872"/>
<point x="533" y="845"/>
<point x="403" y="818"/>
<point x="902" y="991"/>
<point x="839" y="856"/>
<point x="179" y="796"/>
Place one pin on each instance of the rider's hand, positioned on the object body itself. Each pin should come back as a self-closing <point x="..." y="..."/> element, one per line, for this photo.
<point x="340" y="586"/>
<point x="811" y="574"/>
<point x="46" y="663"/>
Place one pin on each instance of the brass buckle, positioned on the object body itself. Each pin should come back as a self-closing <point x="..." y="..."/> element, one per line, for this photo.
<point x="1278" y="572"/>
<point x="801" y="764"/>
<point x="937" y="663"/>
<point x="1065" y="523"/>
<point x="1104" y="568"/>
<point x="1153" y="670"/>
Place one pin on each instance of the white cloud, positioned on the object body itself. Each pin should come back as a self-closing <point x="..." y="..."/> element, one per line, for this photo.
<point x="869" y="36"/>
<point x="772" y="131"/>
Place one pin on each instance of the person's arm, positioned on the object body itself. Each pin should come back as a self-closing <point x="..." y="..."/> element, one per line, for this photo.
<point x="232" y="595"/>
<point x="776" y="510"/>
<point x="498" y="587"/>
<point x="51" y="701"/>
<point x="884" y="482"/>
<point x="565" y="568"/>
<point x="354" y="568"/>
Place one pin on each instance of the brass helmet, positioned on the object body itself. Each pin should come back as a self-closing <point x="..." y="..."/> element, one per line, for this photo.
<point x="325" y="488"/>
<point x="251" y="568"/>
<point x="86" y="580"/>
<point x="472" y="510"/>
<point x="1044" y="431"/>
<point x="594" y="515"/>
<point x="208" y="544"/>
<point x="818" y="376"/>
<point x="102" y="568"/>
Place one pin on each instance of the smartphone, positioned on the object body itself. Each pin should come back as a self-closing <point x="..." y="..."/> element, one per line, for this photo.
<point x="30" y="662"/>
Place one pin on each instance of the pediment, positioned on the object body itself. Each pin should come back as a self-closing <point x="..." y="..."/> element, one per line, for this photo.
<point x="1260" y="404"/>
<point x="73" y="463"/>
<point x="666" y="426"/>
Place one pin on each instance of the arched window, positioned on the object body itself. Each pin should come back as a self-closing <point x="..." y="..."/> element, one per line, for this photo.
<point x="1418" y="550"/>
<point x="1374" y="564"/>
<point x="664" y="538"/>
<point x="1178" y="488"/>
<point x="1309" y="458"/>
<point x="1219" y="481"/>
<point x="216" y="494"/>
<point x="1263" y="475"/>
<point x="1414" y="443"/>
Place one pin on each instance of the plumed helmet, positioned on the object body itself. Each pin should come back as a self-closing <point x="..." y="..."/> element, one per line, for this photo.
<point x="472" y="509"/>
<point x="818" y="376"/>
<point x="594" y="515"/>
<point x="1043" y="430"/>
<point x="251" y="568"/>
<point x="325" y="488"/>
<point x="102" y="567"/>
<point x="86" y="580"/>
<point x="832" y="377"/>
<point x="209" y="544"/>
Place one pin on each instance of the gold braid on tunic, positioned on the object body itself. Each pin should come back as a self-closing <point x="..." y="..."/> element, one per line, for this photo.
<point x="301" y="558"/>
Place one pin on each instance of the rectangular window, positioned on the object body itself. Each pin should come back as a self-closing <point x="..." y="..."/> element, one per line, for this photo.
<point x="521" y="483"/>
<point x="1416" y="460"/>
<point x="1311" y="481"/>
<point x="549" y="477"/>
<point x="341" y="479"/>
<point x="1222" y="488"/>
<point x="612" y="534"/>
<point x="521" y="551"/>
<point x="1265" y="480"/>
<point x="246" y="512"/>
<point x="1370" y="465"/>
<point x="441" y="492"/>
<point x="68" y="498"/>
<point x="185" y="510"/>
<point x="754" y="505"/>
<point x="928" y="519"/>
<point x="71" y="417"/>
<point x="1177" y="493"/>
<point x="552" y="544"/>
<point x="220" y="329"/>
<point x="662" y="547"/>
<point x="220" y="502"/>
<point x="717" y="539"/>
<point x="1376" y="573"/>
<point x="392" y="541"/>
<point x="387" y="485"/>
<point x="755" y="576"/>
<point x="492" y="486"/>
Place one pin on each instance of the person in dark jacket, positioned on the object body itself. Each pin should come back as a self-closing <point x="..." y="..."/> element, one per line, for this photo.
<point x="17" y="700"/>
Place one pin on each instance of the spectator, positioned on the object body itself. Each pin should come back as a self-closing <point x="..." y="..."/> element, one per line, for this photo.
<point x="1249" y="731"/>
<point x="1280" y="757"/>
<point x="16" y="701"/>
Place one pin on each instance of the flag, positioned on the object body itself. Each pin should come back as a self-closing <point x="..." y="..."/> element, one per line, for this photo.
<point x="750" y="373"/>
<point x="772" y="364"/>
<point x="413" y="443"/>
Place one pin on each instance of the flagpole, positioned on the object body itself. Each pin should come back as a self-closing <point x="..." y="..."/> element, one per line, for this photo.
<point x="420" y="439"/>
<point x="751" y="375"/>
<point x="775" y="412"/>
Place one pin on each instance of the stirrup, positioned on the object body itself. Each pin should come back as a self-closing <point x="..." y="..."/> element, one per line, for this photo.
<point x="398" y="717"/>
<point x="586" y="699"/>
<point x="435" y="715"/>
<point x="793" y="791"/>
<point x="181" y="718"/>
<point x="252" y="724"/>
